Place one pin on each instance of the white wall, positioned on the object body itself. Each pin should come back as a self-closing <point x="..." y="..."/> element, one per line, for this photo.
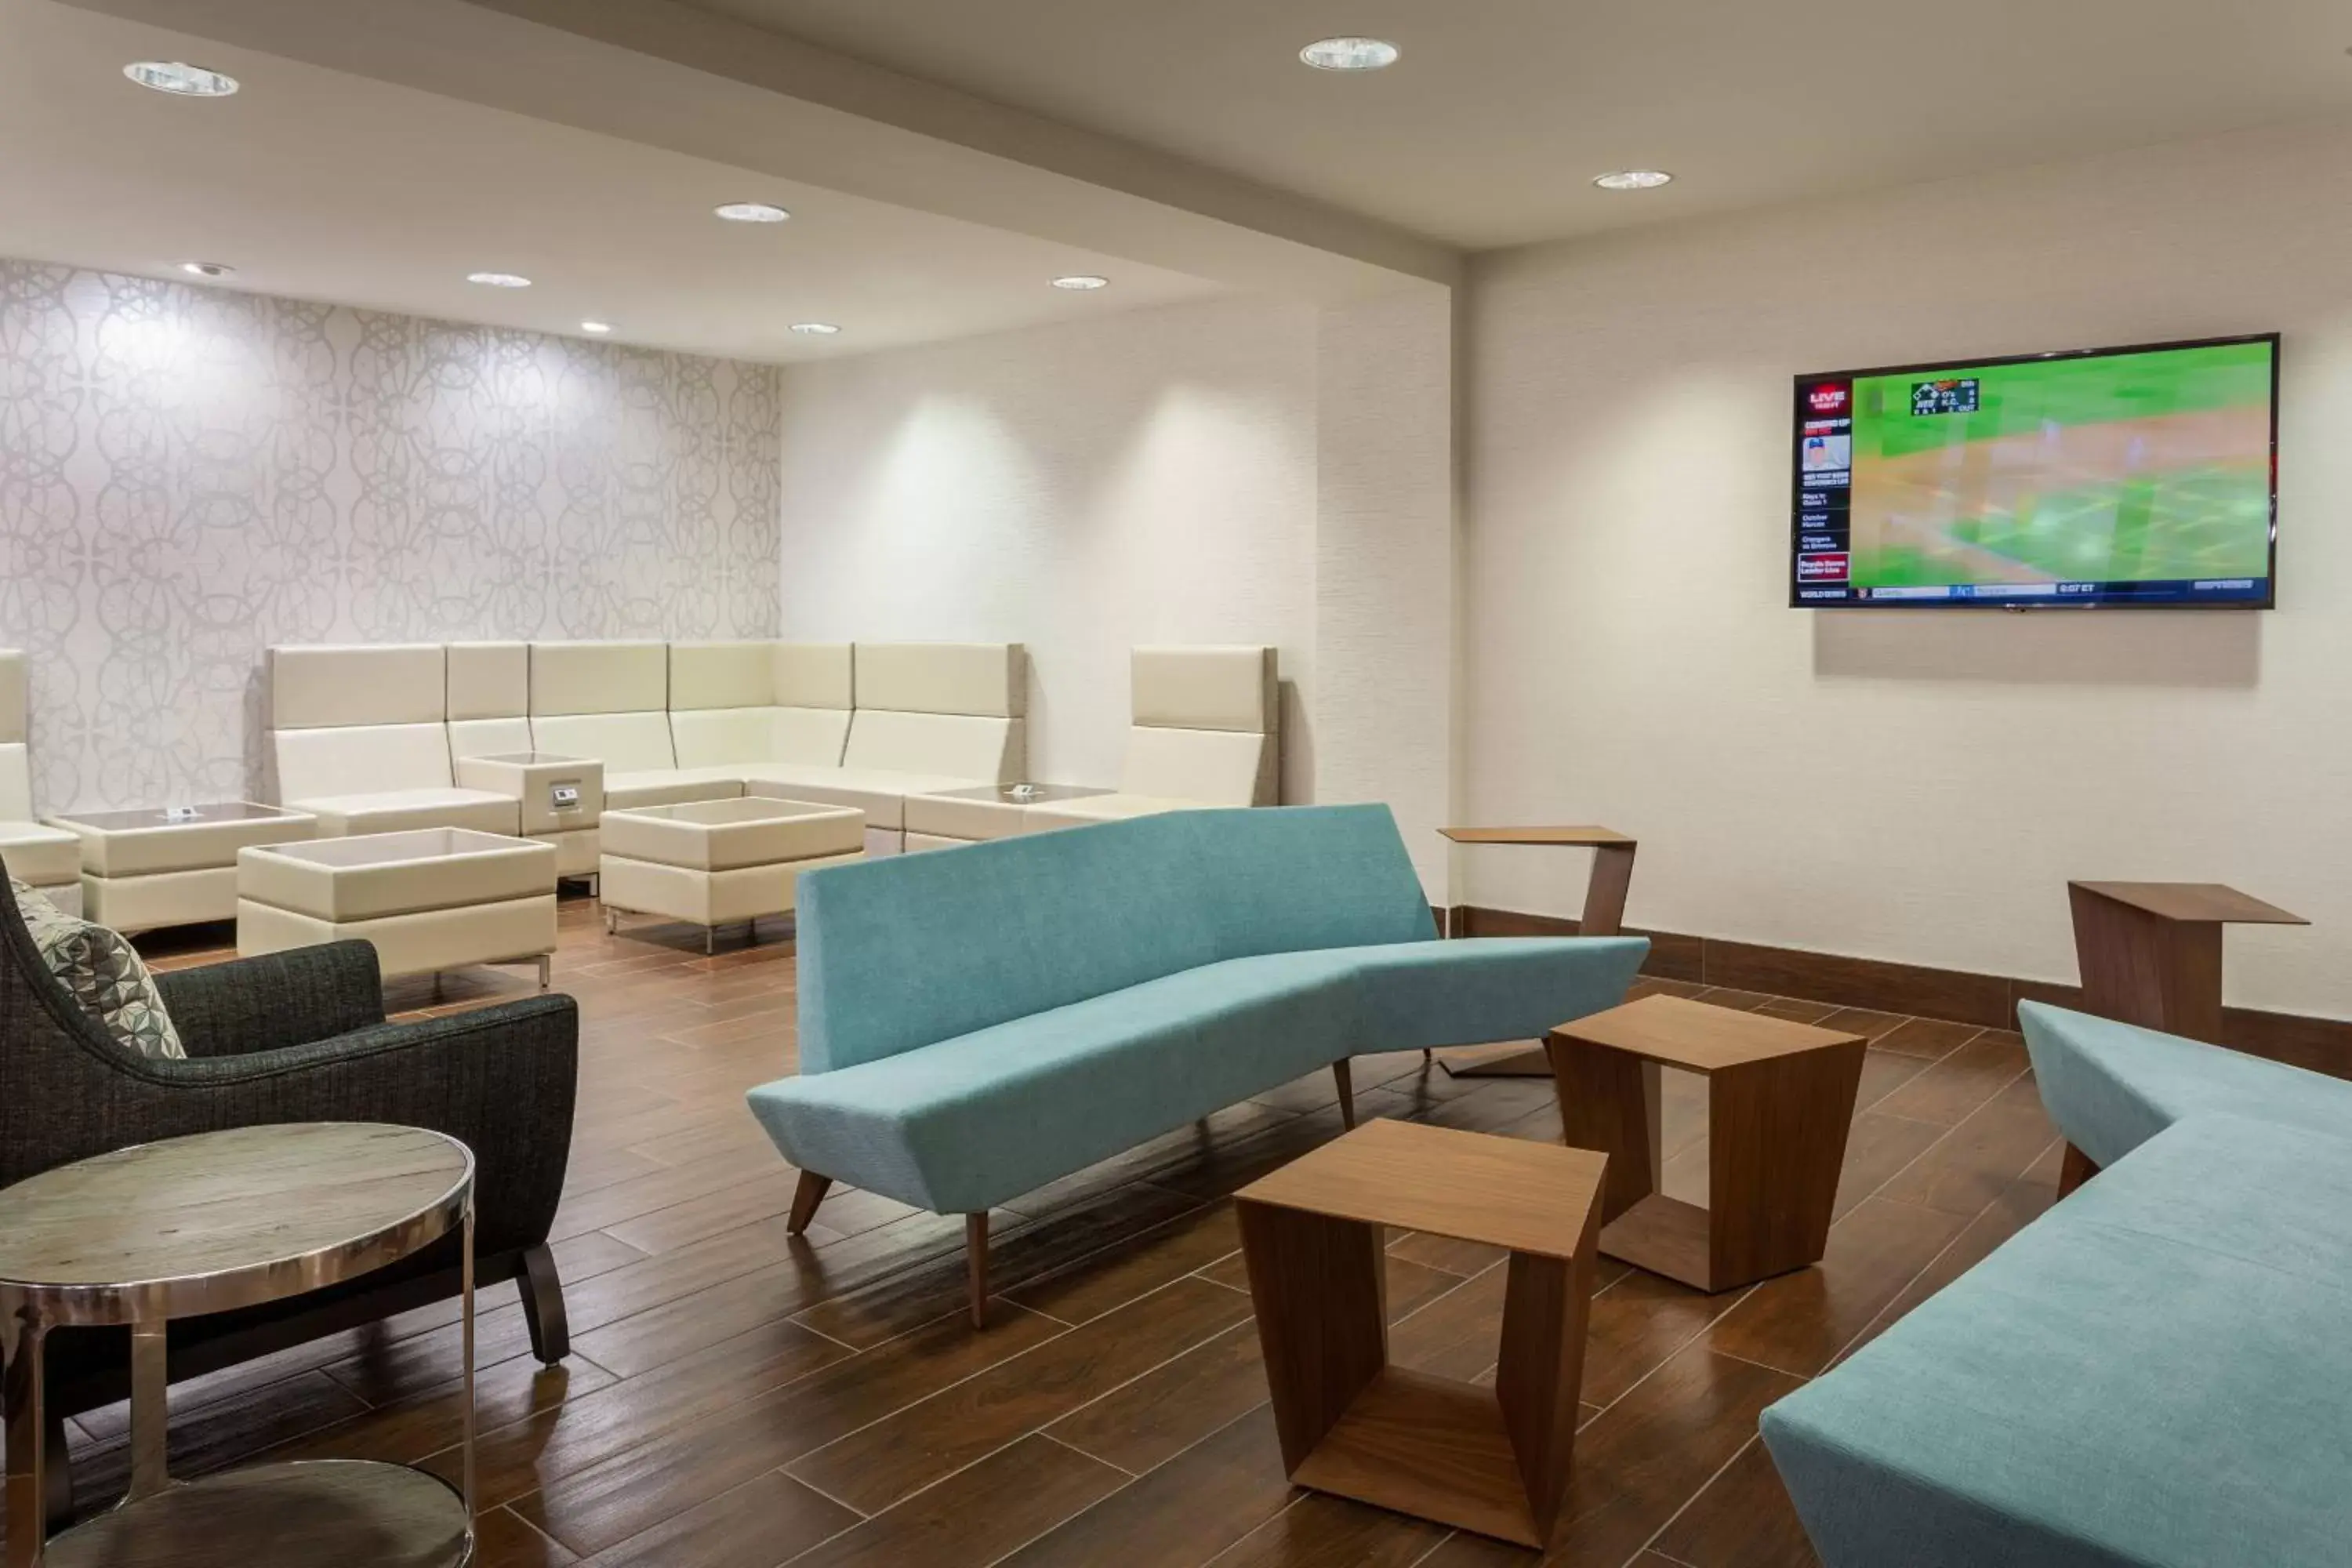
<point x="1910" y="786"/>
<point x="1149" y="477"/>
<point x="1247" y="471"/>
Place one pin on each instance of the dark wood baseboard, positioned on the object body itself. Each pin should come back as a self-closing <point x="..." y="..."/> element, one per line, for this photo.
<point x="2322" y="1045"/>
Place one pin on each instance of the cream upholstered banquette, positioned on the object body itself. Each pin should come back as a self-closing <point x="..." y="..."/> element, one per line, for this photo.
<point x="1206" y="732"/>
<point x="41" y="857"/>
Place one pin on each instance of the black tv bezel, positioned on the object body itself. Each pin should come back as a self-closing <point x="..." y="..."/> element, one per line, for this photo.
<point x="1796" y="470"/>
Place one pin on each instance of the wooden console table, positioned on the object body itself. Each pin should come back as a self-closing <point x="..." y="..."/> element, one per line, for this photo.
<point x="1604" y="915"/>
<point x="2150" y="953"/>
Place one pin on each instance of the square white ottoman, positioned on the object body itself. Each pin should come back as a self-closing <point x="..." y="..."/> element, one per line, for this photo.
<point x="430" y="898"/>
<point x="712" y="862"/>
<point x="173" y="866"/>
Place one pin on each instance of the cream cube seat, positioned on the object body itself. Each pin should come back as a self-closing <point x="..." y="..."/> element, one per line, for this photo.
<point x="1207" y="732"/>
<point x="142" y="869"/>
<point x="711" y="863"/>
<point x="429" y="900"/>
<point x="362" y="742"/>
<point x="43" y="857"/>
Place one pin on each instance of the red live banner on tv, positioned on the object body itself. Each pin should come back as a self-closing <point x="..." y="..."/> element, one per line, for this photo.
<point x="1821" y="568"/>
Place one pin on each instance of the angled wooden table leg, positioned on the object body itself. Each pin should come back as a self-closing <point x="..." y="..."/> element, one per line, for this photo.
<point x="2150" y="953"/>
<point x="1604" y="915"/>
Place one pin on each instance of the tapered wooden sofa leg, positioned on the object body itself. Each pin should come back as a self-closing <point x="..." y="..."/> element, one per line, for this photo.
<point x="975" y="1250"/>
<point x="1343" y="1074"/>
<point x="805" y="1197"/>
<point x="542" y="1306"/>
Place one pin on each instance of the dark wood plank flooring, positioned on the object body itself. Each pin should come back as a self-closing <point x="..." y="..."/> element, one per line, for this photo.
<point x="737" y="1398"/>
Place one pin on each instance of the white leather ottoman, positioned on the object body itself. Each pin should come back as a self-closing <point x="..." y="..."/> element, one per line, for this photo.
<point x="710" y="862"/>
<point x="430" y="898"/>
<point x="951" y="817"/>
<point x="141" y="869"/>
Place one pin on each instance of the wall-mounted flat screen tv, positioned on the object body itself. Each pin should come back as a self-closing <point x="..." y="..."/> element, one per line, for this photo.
<point x="2140" y="476"/>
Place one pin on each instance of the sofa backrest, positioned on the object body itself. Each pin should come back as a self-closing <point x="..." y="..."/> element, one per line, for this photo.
<point x="490" y="698"/>
<point x="1206" y="725"/>
<point x="949" y="709"/>
<point x="906" y="951"/>
<point x="758" y="702"/>
<point x="16" y="737"/>
<point x="359" y="720"/>
<point x="605" y="700"/>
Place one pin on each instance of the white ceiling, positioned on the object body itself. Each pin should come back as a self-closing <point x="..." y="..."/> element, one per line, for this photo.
<point x="324" y="185"/>
<point x="946" y="158"/>
<point x="1489" y="130"/>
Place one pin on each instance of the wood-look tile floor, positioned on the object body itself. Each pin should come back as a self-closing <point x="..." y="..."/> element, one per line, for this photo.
<point x="740" y="1399"/>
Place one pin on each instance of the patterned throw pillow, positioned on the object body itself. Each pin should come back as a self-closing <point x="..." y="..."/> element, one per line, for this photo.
<point x="103" y="972"/>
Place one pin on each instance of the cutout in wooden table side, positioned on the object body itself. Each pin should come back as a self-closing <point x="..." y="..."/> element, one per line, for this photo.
<point x="1495" y="1460"/>
<point x="1780" y="1100"/>
<point x="1605" y="888"/>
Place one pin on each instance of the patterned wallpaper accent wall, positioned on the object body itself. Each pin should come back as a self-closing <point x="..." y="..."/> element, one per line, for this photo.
<point x="190" y="474"/>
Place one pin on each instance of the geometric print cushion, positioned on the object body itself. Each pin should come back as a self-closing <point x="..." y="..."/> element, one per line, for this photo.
<point x="103" y="972"/>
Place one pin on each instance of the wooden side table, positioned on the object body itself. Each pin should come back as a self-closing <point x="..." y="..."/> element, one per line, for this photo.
<point x="1780" y="1103"/>
<point x="209" y="1224"/>
<point x="2150" y="953"/>
<point x="1494" y="1460"/>
<point x="1604" y="915"/>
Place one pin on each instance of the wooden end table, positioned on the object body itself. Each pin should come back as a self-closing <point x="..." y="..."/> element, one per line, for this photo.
<point x="209" y="1224"/>
<point x="1493" y="1460"/>
<point x="1604" y="915"/>
<point x="2150" y="953"/>
<point x="1780" y="1103"/>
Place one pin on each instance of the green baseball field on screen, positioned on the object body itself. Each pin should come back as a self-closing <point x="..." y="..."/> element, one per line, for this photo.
<point x="2136" y="467"/>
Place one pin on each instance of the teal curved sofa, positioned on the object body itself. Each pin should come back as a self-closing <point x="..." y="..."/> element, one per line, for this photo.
<point x="977" y="1022"/>
<point x="2155" y="1373"/>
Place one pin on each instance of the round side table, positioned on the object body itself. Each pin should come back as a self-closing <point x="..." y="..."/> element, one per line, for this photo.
<point x="208" y="1223"/>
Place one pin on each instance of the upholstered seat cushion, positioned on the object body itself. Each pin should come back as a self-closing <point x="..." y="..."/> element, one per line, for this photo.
<point x="1024" y="1102"/>
<point x="2111" y="1087"/>
<point x="43" y="856"/>
<point x="880" y="793"/>
<point x="962" y="1124"/>
<point x="671" y="786"/>
<point x="402" y="810"/>
<point x="2154" y="1373"/>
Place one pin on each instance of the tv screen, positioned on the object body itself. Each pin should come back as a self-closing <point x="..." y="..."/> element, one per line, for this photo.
<point x="2142" y="476"/>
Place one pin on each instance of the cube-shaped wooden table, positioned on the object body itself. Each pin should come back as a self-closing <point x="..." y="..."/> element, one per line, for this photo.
<point x="1780" y="1103"/>
<point x="1494" y="1460"/>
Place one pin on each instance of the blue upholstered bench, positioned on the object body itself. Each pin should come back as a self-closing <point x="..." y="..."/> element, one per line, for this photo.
<point x="2154" y="1373"/>
<point x="977" y="1022"/>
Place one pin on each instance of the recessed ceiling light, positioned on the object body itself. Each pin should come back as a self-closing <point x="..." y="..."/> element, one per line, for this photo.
<point x="180" y="79"/>
<point x="1349" y="54"/>
<point x="598" y="327"/>
<point x="499" y="279"/>
<point x="1633" y="180"/>
<point x="207" y="269"/>
<point x="1081" y="281"/>
<point x="816" y="329"/>
<point x="751" y="212"/>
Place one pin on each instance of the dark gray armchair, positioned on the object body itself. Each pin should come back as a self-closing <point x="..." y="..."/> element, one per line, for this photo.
<point x="295" y="1036"/>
